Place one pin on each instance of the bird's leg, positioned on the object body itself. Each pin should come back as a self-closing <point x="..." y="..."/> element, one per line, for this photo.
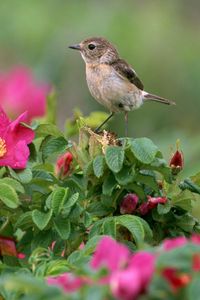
<point x="104" y="122"/>
<point x="126" y="123"/>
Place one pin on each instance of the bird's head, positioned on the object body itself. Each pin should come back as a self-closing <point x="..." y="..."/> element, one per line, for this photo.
<point x="96" y="50"/>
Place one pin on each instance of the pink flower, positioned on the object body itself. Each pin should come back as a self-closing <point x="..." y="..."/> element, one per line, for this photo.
<point x="128" y="204"/>
<point x="172" y="243"/>
<point x="63" y="164"/>
<point x="151" y="203"/>
<point x="126" y="284"/>
<point x="144" y="262"/>
<point x="14" y="138"/>
<point x="67" y="281"/>
<point x="134" y="280"/>
<point x="19" y="92"/>
<point x="110" y="254"/>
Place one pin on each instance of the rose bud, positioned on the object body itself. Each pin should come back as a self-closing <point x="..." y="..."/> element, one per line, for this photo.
<point x="144" y="208"/>
<point x="63" y="164"/>
<point x="128" y="204"/>
<point x="152" y="202"/>
<point x="177" y="160"/>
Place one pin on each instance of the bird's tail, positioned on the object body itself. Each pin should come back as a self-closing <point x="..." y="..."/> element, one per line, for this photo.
<point x="147" y="96"/>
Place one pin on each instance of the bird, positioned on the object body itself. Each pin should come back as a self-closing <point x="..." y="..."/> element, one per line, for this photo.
<point x="111" y="80"/>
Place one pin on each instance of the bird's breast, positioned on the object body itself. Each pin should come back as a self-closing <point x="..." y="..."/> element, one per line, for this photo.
<point x="108" y="88"/>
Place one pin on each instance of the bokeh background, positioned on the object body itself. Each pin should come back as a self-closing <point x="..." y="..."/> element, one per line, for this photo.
<point x="160" y="39"/>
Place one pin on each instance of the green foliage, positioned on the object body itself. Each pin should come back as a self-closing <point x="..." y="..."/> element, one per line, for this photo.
<point x="50" y="217"/>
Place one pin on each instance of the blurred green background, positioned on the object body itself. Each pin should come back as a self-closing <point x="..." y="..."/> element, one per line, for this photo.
<point x="160" y="39"/>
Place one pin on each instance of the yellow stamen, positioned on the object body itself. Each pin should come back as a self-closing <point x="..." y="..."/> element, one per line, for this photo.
<point x="2" y="147"/>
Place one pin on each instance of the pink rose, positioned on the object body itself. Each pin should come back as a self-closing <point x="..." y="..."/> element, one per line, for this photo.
<point x="19" y="92"/>
<point x="14" y="138"/>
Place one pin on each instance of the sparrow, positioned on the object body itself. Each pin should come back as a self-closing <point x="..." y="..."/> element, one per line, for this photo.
<point x="111" y="80"/>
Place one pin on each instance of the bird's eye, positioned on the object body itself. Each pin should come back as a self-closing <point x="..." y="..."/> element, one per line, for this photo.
<point x="91" y="46"/>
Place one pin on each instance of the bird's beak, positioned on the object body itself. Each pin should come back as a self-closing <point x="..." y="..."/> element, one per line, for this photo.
<point x="76" y="47"/>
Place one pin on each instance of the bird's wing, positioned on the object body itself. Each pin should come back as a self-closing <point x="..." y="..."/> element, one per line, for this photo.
<point x="123" y="69"/>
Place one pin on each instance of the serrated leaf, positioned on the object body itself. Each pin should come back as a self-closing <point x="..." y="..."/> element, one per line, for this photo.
<point x="41" y="219"/>
<point x="109" y="184"/>
<point x="114" y="158"/>
<point x="56" y="267"/>
<point x="24" y="176"/>
<point x="24" y="221"/>
<point x="13" y="183"/>
<point x="98" y="165"/>
<point x="63" y="227"/>
<point x="144" y="150"/>
<point x="163" y="209"/>
<point x="8" y="196"/>
<point x="147" y="180"/>
<point x="109" y="227"/>
<point x="91" y="245"/>
<point x="183" y="200"/>
<point x="48" y="129"/>
<point x="125" y="176"/>
<point x="186" y="222"/>
<point x="87" y="219"/>
<point x="59" y="197"/>
<point x="72" y="200"/>
<point x="134" y="225"/>
<point x="53" y="145"/>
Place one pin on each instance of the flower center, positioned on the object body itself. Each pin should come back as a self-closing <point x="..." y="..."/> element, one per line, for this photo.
<point x="2" y="147"/>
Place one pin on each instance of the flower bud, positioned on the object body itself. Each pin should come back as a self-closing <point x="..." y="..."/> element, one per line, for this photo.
<point x="128" y="204"/>
<point x="151" y="203"/>
<point x="177" y="160"/>
<point x="63" y="164"/>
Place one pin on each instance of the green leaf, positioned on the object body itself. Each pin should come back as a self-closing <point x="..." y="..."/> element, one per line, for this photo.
<point x="56" y="267"/>
<point x="114" y="158"/>
<point x="109" y="227"/>
<point x="144" y="150"/>
<point x="24" y="176"/>
<point x="98" y="165"/>
<point x="41" y="219"/>
<point x="183" y="200"/>
<point x="13" y="183"/>
<point x="186" y="222"/>
<point x="63" y="227"/>
<point x="134" y="225"/>
<point x="148" y="180"/>
<point x="164" y="208"/>
<point x="24" y="221"/>
<point x="87" y="219"/>
<point x="59" y="197"/>
<point x="8" y="196"/>
<point x="48" y="129"/>
<point x="125" y="176"/>
<point x="109" y="184"/>
<point x="72" y="200"/>
<point x="52" y="145"/>
<point x="91" y="245"/>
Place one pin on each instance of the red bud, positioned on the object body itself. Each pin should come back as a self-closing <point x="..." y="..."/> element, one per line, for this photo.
<point x="63" y="164"/>
<point x="128" y="204"/>
<point x="176" y="162"/>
